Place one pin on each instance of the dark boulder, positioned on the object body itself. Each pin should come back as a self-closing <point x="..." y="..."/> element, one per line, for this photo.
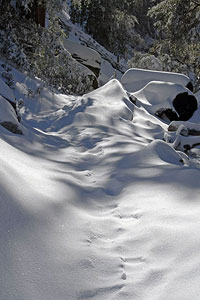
<point x="11" y="127"/>
<point x="185" y="105"/>
<point x="190" y="86"/>
<point x="167" y="114"/>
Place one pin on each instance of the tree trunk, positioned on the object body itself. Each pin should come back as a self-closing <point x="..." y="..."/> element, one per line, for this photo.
<point x="40" y="15"/>
<point x="37" y="13"/>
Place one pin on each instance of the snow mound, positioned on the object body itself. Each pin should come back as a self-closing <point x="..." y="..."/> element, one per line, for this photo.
<point x="135" y="79"/>
<point x="104" y="106"/>
<point x="156" y="153"/>
<point x="160" y="150"/>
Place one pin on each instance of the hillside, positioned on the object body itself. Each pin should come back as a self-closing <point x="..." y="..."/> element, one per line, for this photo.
<point x="99" y="200"/>
<point x="99" y="150"/>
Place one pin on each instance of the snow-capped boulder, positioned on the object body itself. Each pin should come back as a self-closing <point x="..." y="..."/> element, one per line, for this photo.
<point x="7" y="93"/>
<point x="169" y="101"/>
<point x="192" y="128"/>
<point x="8" y="117"/>
<point x="84" y="55"/>
<point x="135" y="79"/>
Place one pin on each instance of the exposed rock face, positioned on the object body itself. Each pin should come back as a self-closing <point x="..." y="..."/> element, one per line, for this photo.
<point x="190" y="86"/>
<point x="167" y="114"/>
<point x="84" y="55"/>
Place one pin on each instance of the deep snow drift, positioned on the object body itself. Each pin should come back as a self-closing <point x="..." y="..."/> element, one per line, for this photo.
<point x="97" y="200"/>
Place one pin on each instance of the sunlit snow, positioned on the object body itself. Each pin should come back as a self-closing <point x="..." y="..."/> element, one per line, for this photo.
<point x="96" y="202"/>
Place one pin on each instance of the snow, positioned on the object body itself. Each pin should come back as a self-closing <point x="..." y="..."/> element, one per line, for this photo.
<point x="95" y="204"/>
<point x="6" y="92"/>
<point x="135" y="79"/>
<point x="159" y="94"/>
<point x="7" y="112"/>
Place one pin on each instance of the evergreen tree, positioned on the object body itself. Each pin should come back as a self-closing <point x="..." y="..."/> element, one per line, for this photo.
<point x="40" y="50"/>
<point x="178" y="31"/>
<point x="109" y="22"/>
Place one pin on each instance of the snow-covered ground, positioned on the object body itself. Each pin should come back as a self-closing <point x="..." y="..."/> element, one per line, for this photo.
<point x="94" y="204"/>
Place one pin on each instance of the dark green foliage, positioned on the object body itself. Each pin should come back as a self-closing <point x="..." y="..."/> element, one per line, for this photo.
<point x="178" y="25"/>
<point x="40" y="50"/>
<point x="109" y="22"/>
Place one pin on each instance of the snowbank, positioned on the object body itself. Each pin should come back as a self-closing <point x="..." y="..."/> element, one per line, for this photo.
<point x="135" y="79"/>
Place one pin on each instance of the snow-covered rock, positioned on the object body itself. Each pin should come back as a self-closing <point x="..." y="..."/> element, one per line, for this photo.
<point x="167" y="100"/>
<point x="6" y="92"/>
<point x="8" y="117"/>
<point x="192" y="128"/>
<point x="134" y="79"/>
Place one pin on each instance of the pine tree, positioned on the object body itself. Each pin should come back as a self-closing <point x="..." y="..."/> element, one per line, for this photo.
<point x="40" y="50"/>
<point x="178" y="27"/>
<point x="109" y="22"/>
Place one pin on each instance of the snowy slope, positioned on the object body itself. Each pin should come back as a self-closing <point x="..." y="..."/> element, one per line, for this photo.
<point x="94" y="204"/>
<point x="110" y="67"/>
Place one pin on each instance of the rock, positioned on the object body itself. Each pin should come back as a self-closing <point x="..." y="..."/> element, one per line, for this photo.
<point x="169" y="101"/>
<point x="7" y="93"/>
<point x="192" y="128"/>
<point x="11" y="127"/>
<point x="167" y="114"/>
<point x="185" y="105"/>
<point x="190" y="86"/>
<point x="84" y="55"/>
<point x="8" y="117"/>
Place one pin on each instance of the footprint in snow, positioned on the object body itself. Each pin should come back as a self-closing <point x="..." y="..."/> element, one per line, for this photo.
<point x="137" y="216"/>
<point x="122" y="267"/>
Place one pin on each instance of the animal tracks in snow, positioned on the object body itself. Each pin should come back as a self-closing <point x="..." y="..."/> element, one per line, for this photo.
<point x="129" y="217"/>
<point x="117" y="229"/>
